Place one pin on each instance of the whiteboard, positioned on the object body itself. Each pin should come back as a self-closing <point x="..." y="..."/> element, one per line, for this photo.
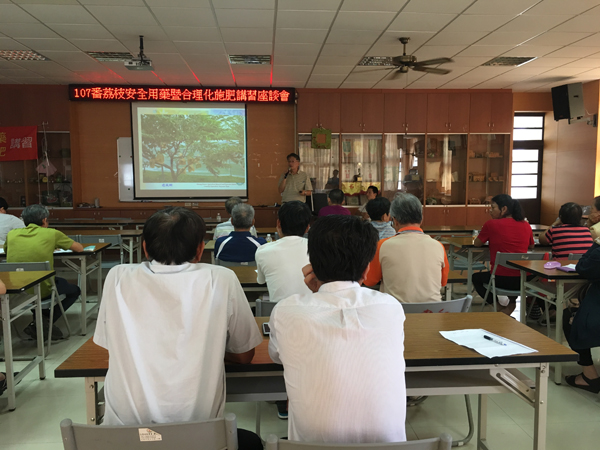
<point x="125" y="158"/>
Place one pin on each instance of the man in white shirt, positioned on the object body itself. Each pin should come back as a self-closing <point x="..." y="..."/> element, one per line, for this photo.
<point x="223" y="229"/>
<point x="342" y="346"/>
<point x="7" y="221"/>
<point x="280" y="263"/>
<point x="169" y="325"/>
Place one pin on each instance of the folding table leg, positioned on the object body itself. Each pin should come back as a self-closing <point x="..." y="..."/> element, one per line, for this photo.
<point x="83" y="316"/>
<point x="8" y="352"/>
<point x="482" y="422"/>
<point x="541" y="407"/>
<point x="560" y="295"/>
<point x="40" y="332"/>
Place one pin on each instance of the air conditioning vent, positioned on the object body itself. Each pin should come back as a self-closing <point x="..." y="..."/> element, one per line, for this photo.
<point x="514" y="61"/>
<point x="111" y="56"/>
<point x="250" y="59"/>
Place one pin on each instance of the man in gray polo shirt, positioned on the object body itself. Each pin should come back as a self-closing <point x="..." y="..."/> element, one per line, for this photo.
<point x="294" y="184"/>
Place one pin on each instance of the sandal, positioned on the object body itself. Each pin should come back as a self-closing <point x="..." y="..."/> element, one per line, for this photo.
<point x="593" y="385"/>
<point x="4" y="382"/>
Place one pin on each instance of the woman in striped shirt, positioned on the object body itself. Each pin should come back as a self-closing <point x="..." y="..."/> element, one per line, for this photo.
<point x="566" y="235"/>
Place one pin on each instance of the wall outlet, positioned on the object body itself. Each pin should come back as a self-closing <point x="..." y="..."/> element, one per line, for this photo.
<point x="194" y="204"/>
<point x="188" y="204"/>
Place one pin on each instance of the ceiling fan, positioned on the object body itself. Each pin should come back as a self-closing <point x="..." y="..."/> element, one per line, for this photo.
<point x="405" y="62"/>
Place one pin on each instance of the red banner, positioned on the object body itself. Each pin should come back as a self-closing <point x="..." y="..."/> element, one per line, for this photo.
<point x="87" y="92"/>
<point x="18" y="143"/>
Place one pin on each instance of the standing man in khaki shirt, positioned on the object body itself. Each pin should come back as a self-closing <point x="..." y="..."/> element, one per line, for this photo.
<point x="294" y="184"/>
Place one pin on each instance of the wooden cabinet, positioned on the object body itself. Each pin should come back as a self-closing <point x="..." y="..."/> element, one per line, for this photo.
<point x="361" y="113"/>
<point x="318" y="110"/>
<point x="405" y="113"/>
<point x="448" y="113"/>
<point x="491" y="113"/>
<point x="265" y="218"/>
<point x="478" y="215"/>
<point x="416" y="113"/>
<point x="434" y="215"/>
<point x="444" y="215"/>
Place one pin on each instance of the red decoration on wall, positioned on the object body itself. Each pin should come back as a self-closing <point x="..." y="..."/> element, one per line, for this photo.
<point x="82" y="92"/>
<point x="18" y="143"/>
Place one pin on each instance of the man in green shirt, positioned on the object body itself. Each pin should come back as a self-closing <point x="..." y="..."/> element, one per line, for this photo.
<point x="36" y="243"/>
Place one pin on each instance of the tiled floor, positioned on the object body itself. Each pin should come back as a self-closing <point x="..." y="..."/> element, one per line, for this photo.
<point x="573" y="416"/>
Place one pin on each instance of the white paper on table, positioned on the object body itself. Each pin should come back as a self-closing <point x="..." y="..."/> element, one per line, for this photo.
<point x="60" y="250"/>
<point x="571" y="266"/>
<point x="474" y="339"/>
<point x="1" y="251"/>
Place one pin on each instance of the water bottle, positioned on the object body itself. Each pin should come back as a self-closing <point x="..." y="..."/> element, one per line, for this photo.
<point x="475" y="233"/>
<point x="276" y="235"/>
<point x="269" y="238"/>
<point x="218" y="217"/>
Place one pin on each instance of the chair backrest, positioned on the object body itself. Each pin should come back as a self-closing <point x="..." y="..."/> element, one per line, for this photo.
<point x="444" y="442"/>
<point x="264" y="307"/>
<point x="215" y="434"/>
<point x="25" y="266"/>
<point x="220" y="262"/>
<point x="503" y="258"/>
<point x="575" y="256"/>
<point x="449" y="306"/>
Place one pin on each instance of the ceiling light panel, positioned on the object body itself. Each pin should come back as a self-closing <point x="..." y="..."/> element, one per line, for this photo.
<point x="111" y="56"/>
<point x="376" y="61"/>
<point x="22" y="55"/>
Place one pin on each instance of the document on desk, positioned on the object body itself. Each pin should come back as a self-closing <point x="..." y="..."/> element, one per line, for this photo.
<point x="486" y="343"/>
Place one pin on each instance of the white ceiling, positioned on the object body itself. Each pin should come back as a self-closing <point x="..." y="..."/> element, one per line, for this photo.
<point x="313" y="43"/>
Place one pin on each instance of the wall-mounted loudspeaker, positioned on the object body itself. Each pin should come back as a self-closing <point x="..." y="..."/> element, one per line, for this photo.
<point x="567" y="101"/>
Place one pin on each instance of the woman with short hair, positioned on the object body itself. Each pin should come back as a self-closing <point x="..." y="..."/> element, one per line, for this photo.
<point x="507" y="232"/>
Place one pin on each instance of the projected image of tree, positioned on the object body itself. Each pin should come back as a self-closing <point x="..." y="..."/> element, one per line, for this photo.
<point x="193" y="148"/>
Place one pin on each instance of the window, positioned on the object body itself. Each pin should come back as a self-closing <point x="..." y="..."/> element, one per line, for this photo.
<point x="528" y="140"/>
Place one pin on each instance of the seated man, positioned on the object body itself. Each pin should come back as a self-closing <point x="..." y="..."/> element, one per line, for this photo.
<point x="334" y="200"/>
<point x="280" y="263"/>
<point x="223" y="229"/>
<point x="168" y="326"/>
<point x="411" y="266"/>
<point x="36" y="243"/>
<point x="372" y="193"/>
<point x="240" y="245"/>
<point x="342" y="346"/>
<point x="7" y="221"/>
<point x="379" y="212"/>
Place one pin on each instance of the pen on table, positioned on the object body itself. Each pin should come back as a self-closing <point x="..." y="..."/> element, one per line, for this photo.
<point x="495" y="341"/>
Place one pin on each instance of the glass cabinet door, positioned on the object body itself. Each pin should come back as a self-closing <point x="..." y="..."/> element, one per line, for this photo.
<point x="361" y="163"/>
<point x="46" y="180"/>
<point x="404" y="164"/>
<point x="321" y="165"/>
<point x="487" y="167"/>
<point x="445" y="169"/>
